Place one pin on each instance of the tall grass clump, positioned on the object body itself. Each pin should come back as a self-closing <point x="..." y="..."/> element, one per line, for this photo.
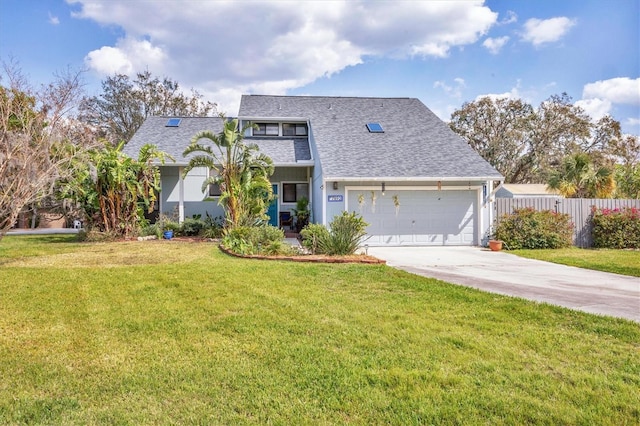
<point x="345" y="234"/>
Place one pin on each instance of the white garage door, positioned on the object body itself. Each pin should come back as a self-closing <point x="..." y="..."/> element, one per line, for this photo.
<point x="422" y="217"/>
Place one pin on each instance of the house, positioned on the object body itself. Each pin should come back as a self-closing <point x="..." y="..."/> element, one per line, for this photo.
<point x="389" y="159"/>
<point x="526" y="190"/>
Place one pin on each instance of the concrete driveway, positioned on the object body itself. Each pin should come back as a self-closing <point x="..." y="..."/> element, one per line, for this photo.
<point x="500" y="272"/>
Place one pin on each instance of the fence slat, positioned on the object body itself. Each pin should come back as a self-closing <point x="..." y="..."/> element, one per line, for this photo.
<point x="578" y="208"/>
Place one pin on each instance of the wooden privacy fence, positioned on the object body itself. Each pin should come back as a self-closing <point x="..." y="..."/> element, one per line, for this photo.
<point x="578" y="208"/>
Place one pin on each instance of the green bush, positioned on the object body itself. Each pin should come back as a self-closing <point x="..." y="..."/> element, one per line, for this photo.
<point x="151" y="230"/>
<point x="617" y="228"/>
<point x="527" y="228"/>
<point x="343" y="238"/>
<point x="266" y="239"/>
<point x="191" y="227"/>
<point x="314" y="236"/>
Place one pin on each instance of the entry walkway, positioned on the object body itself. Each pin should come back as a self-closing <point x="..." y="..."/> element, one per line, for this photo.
<point x="500" y="272"/>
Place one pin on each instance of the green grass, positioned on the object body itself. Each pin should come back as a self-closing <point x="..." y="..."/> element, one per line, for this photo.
<point x="179" y="333"/>
<point x="625" y="262"/>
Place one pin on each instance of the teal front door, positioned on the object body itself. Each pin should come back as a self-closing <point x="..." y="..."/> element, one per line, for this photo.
<point x="272" y="211"/>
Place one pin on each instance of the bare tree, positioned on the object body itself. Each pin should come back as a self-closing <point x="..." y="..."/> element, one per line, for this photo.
<point x="38" y="139"/>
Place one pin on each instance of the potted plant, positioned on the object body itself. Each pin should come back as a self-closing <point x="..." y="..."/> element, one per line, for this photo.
<point x="167" y="227"/>
<point x="302" y="213"/>
<point x="495" y="245"/>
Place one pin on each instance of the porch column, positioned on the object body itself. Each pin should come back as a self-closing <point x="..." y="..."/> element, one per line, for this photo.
<point x="180" y="195"/>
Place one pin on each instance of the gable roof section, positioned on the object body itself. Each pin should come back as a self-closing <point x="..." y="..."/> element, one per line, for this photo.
<point x="174" y="140"/>
<point x="415" y="142"/>
<point x="283" y="151"/>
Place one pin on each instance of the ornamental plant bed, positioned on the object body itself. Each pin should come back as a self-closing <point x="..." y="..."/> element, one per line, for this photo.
<point x="317" y="258"/>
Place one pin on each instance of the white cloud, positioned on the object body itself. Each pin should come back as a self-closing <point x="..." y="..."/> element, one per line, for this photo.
<point x="514" y="93"/>
<point x="220" y="48"/>
<point x="454" y="90"/>
<point x="510" y="18"/>
<point x="494" y="45"/>
<point x="621" y="90"/>
<point x="540" y="31"/>
<point x="595" y="107"/>
<point x="128" y="57"/>
<point x="633" y="121"/>
<point x="53" y="20"/>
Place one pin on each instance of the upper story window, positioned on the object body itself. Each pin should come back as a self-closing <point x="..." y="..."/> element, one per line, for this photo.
<point x="266" y="129"/>
<point x="294" y="129"/>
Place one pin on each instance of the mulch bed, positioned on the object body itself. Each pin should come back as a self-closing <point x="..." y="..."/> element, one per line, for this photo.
<point x="355" y="258"/>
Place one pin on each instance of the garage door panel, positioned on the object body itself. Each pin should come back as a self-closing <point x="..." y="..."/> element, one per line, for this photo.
<point x="423" y="217"/>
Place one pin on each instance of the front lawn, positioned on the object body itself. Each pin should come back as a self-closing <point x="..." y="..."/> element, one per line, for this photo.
<point x="625" y="262"/>
<point x="169" y="332"/>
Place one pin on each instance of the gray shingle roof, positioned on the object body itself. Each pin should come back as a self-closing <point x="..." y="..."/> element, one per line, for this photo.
<point x="174" y="140"/>
<point x="281" y="150"/>
<point x="415" y="142"/>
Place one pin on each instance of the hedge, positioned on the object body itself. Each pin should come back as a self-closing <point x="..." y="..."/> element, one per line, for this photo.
<point x="616" y="228"/>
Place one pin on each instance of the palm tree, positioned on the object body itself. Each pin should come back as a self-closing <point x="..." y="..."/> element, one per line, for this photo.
<point x="242" y="172"/>
<point x="578" y="177"/>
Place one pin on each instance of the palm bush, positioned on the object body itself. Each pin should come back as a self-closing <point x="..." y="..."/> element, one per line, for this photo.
<point x="345" y="235"/>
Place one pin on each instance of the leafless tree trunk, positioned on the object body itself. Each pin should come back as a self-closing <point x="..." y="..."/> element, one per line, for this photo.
<point x="38" y="139"/>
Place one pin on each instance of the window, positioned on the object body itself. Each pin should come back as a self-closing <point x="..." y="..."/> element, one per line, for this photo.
<point x="297" y="129"/>
<point x="292" y="192"/>
<point x="266" y="129"/>
<point x="214" y="188"/>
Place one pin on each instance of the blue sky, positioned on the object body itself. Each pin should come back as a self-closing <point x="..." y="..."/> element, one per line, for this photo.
<point x="443" y="52"/>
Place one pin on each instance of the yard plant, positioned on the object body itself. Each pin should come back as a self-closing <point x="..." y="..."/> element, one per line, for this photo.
<point x="616" y="228"/>
<point x="169" y="332"/>
<point x="527" y="228"/>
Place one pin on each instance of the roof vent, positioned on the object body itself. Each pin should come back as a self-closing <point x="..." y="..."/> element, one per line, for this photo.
<point x="173" y="122"/>
<point x="375" y="128"/>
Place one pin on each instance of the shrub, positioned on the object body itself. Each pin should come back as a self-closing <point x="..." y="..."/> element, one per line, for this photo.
<point x="151" y="230"/>
<point x="527" y="228"/>
<point x="617" y="228"/>
<point x="191" y="227"/>
<point x="314" y="236"/>
<point x="256" y="240"/>
<point x="344" y="237"/>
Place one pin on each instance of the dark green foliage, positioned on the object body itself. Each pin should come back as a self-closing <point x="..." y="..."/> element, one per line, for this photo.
<point x="617" y="228"/>
<point x="302" y="213"/>
<point x="267" y="240"/>
<point x="313" y="235"/>
<point x="343" y="238"/>
<point x="527" y="228"/>
<point x="191" y="227"/>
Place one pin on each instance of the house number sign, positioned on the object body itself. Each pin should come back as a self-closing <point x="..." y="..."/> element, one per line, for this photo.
<point x="334" y="198"/>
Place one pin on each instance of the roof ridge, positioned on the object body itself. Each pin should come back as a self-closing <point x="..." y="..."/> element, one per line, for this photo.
<point x="329" y="97"/>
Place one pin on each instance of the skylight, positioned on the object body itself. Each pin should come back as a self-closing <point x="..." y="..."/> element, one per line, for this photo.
<point x="375" y="128"/>
<point x="173" y="122"/>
